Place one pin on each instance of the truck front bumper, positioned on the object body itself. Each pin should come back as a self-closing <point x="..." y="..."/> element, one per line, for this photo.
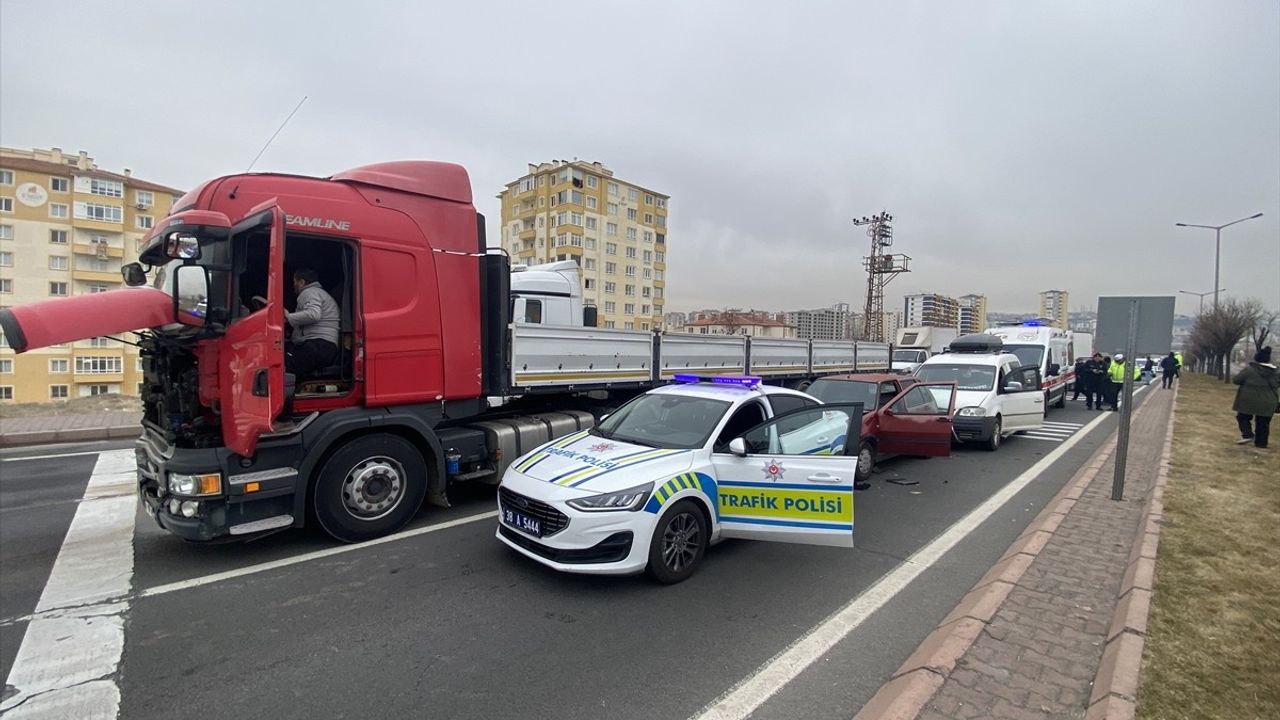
<point x="973" y="429"/>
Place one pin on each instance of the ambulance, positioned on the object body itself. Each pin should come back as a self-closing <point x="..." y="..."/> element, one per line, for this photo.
<point x="683" y="466"/>
<point x="1047" y="348"/>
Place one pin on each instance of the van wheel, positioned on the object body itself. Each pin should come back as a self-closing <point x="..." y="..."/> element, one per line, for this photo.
<point x="371" y="486"/>
<point x="994" y="443"/>
<point x="678" y="544"/>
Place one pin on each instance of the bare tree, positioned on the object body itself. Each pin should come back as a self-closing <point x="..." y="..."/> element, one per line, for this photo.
<point x="1217" y="332"/>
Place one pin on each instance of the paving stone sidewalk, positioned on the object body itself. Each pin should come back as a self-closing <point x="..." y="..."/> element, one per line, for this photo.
<point x="41" y="429"/>
<point x="1029" y="641"/>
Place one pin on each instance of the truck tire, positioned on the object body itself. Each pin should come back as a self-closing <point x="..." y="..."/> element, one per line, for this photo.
<point x="994" y="443"/>
<point x="369" y="487"/>
<point x="679" y="542"/>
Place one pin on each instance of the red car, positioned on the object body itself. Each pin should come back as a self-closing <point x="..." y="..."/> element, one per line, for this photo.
<point x="900" y="415"/>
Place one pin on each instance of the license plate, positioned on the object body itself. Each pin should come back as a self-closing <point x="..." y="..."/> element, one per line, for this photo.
<point x="522" y="522"/>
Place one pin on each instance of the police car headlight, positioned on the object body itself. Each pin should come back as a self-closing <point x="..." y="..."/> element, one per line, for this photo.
<point x="973" y="411"/>
<point x="629" y="499"/>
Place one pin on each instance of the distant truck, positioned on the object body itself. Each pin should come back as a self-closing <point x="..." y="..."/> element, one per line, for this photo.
<point x="1083" y="345"/>
<point x="914" y="345"/>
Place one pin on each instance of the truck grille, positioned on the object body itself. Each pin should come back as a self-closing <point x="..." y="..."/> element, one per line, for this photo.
<point x="553" y="521"/>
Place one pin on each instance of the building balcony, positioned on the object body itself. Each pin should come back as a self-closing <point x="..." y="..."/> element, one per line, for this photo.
<point x="98" y="378"/>
<point x="95" y="276"/>
<point x="97" y="250"/>
<point x="529" y="234"/>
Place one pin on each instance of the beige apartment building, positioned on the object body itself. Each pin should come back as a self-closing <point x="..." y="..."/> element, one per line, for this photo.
<point x="1053" y="307"/>
<point x="615" y="230"/>
<point x="973" y="314"/>
<point x="66" y="228"/>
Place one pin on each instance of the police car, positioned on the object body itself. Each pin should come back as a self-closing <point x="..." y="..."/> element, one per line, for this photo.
<point x="679" y="468"/>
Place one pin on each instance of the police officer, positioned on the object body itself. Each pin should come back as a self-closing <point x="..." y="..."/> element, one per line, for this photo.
<point x="1091" y="378"/>
<point x="1178" y="356"/>
<point x="1116" y="374"/>
<point x="1080" y="387"/>
<point x="1102" y="388"/>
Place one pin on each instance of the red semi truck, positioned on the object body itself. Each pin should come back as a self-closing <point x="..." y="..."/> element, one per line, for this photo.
<point x="434" y="384"/>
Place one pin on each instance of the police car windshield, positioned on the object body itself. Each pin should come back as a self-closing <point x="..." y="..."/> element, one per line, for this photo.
<point x="1028" y="355"/>
<point x="966" y="377"/>
<point x="842" y="391"/>
<point x="665" y="421"/>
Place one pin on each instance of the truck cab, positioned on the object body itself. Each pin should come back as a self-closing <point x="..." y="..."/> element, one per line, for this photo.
<point x="549" y="294"/>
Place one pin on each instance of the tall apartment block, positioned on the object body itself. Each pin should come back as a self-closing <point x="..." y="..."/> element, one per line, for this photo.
<point x="66" y="227"/>
<point x="973" y="314"/>
<point x="615" y="230"/>
<point x="1053" y="307"/>
<point x="928" y="309"/>
<point x="833" y="323"/>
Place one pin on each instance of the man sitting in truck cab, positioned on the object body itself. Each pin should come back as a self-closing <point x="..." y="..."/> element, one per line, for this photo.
<point x="315" y="327"/>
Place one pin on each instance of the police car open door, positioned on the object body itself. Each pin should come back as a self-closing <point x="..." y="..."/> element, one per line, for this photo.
<point x="789" y="479"/>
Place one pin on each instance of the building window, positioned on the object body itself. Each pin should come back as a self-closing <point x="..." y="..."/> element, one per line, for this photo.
<point x="593" y="181"/>
<point x="144" y="222"/>
<point x="648" y="218"/>
<point x="610" y="306"/>
<point x="98" y="365"/>
<point x="592" y="203"/>
<point x="6" y="366"/>
<point x="631" y="252"/>
<point x="662" y="220"/>
<point x="610" y="288"/>
<point x="662" y="237"/>
<point x="588" y="284"/>
<point x="99" y="212"/>
<point x="613" y="208"/>
<point x="609" y="325"/>
<point x="6" y="286"/>
<point x="591" y="223"/>
<point x="58" y="289"/>
<point x="631" y="271"/>
<point x="6" y="259"/>
<point x="629" y="326"/>
<point x="59" y="185"/>
<point x="143" y="199"/>
<point x="590" y="243"/>
<point x="648" y="236"/>
<point x="58" y="237"/>
<point x="632" y="234"/>
<point x="6" y="204"/>
<point x="610" y="268"/>
<point x="591" y="264"/>
<point x="106" y="188"/>
<point x="657" y="274"/>
<point x="57" y="210"/>
<point x="632" y="194"/>
<point x="610" y="248"/>
<point x="613" y="188"/>
<point x="648" y="199"/>
<point x="659" y="256"/>
<point x="6" y="177"/>
<point x="96" y="288"/>
<point x="648" y="273"/>
<point x="6" y="232"/>
<point x="59" y="262"/>
<point x="6" y="392"/>
<point x="629" y="309"/>
<point x="59" y="367"/>
<point x="662" y="202"/>
<point x="95" y="390"/>
<point x="631" y="213"/>
<point x="648" y="256"/>
<point x="58" y="392"/>
<point x="644" y="309"/>
<point x="611" y="228"/>
<point x="630" y="291"/>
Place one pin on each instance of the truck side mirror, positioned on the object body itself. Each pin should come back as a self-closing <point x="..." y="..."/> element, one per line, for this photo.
<point x="589" y="316"/>
<point x="191" y="295"/>
<point x="133" y="274"/>
<point x="182" y="246"/>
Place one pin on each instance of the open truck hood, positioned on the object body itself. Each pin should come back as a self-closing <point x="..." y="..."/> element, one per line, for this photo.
<point x="64" y="320"/>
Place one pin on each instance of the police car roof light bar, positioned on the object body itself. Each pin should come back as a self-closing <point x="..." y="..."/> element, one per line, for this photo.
<point x="749" y="381"/>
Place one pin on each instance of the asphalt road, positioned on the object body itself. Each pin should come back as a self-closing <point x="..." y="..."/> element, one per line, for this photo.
<point x="450" y="623"/>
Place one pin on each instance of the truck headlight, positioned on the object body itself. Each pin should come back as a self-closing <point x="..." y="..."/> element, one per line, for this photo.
<point x="195" y="485"/>
<point x="629" y="499"/>
<point x="973" y="411"/>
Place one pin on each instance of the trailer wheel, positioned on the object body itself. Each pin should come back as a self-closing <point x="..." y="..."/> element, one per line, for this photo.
<point x="369" y="487"/>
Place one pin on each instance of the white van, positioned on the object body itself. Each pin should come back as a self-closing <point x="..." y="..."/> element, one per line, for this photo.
<point x="1048" y="348"/>
<point x="996" y="395"/>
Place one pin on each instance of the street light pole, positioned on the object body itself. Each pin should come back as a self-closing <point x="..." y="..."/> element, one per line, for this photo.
<point x="1200" y="311"/>
<point x="1217" y="253"/>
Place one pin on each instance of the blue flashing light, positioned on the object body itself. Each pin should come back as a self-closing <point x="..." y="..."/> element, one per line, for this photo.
<point x="748" y="381"/>
<point x="1032" y="323"/>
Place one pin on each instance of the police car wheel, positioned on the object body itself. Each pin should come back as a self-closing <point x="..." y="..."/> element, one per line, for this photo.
<point x="679" y="542"/>
<point x="369" y="487"/>
<point x="994" y="443"/>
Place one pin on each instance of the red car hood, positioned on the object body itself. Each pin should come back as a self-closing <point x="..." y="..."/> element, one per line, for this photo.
<point x="63" y="320"/>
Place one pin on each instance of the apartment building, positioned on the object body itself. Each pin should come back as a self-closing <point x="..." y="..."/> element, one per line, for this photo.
<point x="1053" y="307"/>
<point x="833" y="323"/>
<point x="615" y="230"/>
<point x="930" y="309"/>
<point x="756" y="323"/>
<point x="972" y="314"/>
<point x="66" y="227"/>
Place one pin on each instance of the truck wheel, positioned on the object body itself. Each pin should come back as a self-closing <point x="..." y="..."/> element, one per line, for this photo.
<point x="679" y="542"/>
<point x="994" y="443"/>
<point x="866" y="462"/>
<point x="370" y="487"/>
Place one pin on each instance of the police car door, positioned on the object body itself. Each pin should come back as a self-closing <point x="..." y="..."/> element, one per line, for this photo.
<point x="789" y="479"/>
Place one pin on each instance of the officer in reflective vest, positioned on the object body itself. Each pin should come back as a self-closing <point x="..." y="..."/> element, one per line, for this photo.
<point x="1178" y="356"/>
<point x="1115" y="375"/>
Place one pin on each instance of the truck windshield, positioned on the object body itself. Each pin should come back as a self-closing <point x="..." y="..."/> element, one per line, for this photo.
<point x="664" y="421"/>
<point x="1028" y="355"/>
<point x="846" y="391"/>
<point x="966" y="377"/>
<point x="909" y="356"/>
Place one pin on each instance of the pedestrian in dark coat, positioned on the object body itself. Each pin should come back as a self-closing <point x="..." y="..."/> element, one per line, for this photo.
<point x="1257" y="398"/>
<point x="1169" y="366"/>
<point x="1079" y="386"/>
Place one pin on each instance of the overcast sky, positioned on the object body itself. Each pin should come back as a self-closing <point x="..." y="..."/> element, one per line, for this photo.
<point x="1021" y="146"/>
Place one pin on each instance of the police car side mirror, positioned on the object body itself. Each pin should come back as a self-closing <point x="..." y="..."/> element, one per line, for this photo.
<point x="738" y="447"/>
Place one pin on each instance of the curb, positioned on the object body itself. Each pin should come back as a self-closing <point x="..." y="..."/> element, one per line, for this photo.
<point x="1115" y="687"/>
<point x="49" y="437"/>
<point x="913" y="685"/>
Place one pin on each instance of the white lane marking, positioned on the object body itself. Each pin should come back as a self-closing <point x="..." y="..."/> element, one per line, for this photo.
<point x="71" y="651"/>
<point x="306" y="557"/>
<point x="51" y="457"/>
<point x="1070" y="426"/>
<point x="750" y="693"/>
<point x="1031" y="436"/>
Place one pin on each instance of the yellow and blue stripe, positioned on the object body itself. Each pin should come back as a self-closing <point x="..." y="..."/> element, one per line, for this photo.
<point x="540" y="455"/>
<point x="574" y="478"/>
<point x="685" y="481"/>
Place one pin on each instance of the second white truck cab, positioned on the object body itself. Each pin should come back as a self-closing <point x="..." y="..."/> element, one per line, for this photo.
<point x="995" y="393"/>
<point x="548" y="294"/>
<point x="914" y="345"/>
<point x="1048" y="348"/>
